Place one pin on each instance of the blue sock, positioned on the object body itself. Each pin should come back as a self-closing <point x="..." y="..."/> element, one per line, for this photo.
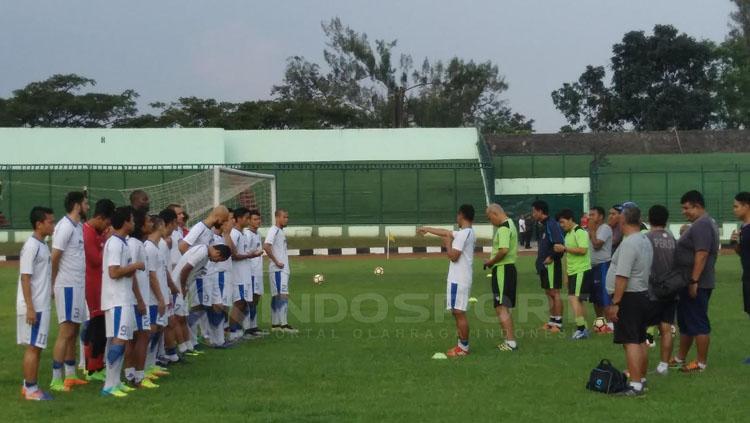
<point x="115" y="352"/>
<point x="29" y="384"/>
<point x="171" y="351"/>
<point x="464" y="343"/>
<point x="252" y="310"/>
<point x="154" y="340"/>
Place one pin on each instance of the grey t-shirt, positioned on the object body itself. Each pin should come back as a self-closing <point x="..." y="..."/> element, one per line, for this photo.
<point x="703" y="235"/>
<point x="632" y="260"/>
<point x="604" y="254"/>
<point x="664" y="244"/>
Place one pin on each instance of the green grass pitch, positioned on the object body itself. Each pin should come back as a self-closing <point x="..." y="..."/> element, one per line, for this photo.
<point x="364" y="354"/>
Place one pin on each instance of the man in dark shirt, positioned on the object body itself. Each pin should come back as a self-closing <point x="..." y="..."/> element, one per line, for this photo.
<point x="696" y="254"/>
<point x="549" y="263"/>
<point x="741" y="242"/>
<point x="662" y="311"/>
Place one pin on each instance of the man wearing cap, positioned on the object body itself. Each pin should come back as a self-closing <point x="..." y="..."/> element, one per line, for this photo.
<point x="627" y="281"/>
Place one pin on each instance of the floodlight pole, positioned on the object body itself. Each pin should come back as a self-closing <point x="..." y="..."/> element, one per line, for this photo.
<point x="217" y="186"/>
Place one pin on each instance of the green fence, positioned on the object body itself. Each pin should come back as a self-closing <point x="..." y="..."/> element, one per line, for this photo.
<point x="315" y="193"/>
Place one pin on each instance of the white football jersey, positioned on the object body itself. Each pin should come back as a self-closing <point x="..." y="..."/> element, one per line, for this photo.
<point x="138" y="253"/>
<point x="240" y="268"/>
<point x="174" y="252"/>
<point x="277" y="238"/>
<point x="256" y="264"/>
<point x="116" y="292"/>
<point x="155" y="263"/>
<point x="68" y="238"/>
<point x="460" y="271"/>
<point x="200" y="234"/>
<point x="35" y="261"/>
<point x="198" y="258"/>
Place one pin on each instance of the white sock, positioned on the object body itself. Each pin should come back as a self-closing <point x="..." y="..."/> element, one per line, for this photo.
<point x="183" y="347"/>
<point x="139" y="376"/>
<point x="638" y="386"/>
<point x="283" y="312"/>
<point x="160" y="351"/>
<point x="70" y="370"/>
<point x="512" y="343"/>
<point x="57" y="373"/>
<point x="203" y="326"/>
<point x="662" y="367"/>
<point x="130" y="373"/>
<point x="82" y="355"/>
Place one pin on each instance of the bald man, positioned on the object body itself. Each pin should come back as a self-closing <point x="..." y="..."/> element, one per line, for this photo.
<point x="504" y="274"/>
<point x="202" y="232"/>
<point x="139" y="200"/>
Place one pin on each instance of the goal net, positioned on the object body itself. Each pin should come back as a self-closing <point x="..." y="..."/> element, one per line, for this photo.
<point x="200" y="192"/>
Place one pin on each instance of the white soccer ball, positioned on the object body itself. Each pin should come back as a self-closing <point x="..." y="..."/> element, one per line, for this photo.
<point x="379" y="271"/>
<point x="318" y="279"/>
<point x="600" y="323"/>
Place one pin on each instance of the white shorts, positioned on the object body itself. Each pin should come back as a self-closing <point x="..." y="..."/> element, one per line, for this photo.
<point x="457" y="296"/>
<point x="279" y="282"/>
<point x="179" y="307"/>
<point x="201" y="292"/>
<point x="120" y="322"/>
<point x="154" y="318"/>
<point x="242" y="292"/>
<point x="221" y="288"/>
<point x="35" y="336"/>
<point x="256" y="282"/>
<point x="70" y="303"/>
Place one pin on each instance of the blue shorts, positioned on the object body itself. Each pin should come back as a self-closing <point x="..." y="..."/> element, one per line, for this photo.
<point x="692" y="313"/>
<point x="599" y="294"/>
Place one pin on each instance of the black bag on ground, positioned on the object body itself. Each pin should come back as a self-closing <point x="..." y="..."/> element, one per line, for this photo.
<point x="668" y="286"/>
<point x="605" y="378"/>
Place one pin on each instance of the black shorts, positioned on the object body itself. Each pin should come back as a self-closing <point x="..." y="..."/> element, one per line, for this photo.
<point x="550" y="276"/>
<point x="692" y="313"/>
<point x="504" y="280"/>
<point x="580" y="284"/>
<point x="632" y="318"/>
<point x="662" y="312"/>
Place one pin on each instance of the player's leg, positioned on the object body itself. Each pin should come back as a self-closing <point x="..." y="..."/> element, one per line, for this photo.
<point x="578" y="290"/>
<point x="34" y="337"/>
<point x="457" y="301"/>
<point x="119" y="326"/>
<point x="275" y="285"/>
<point x="283" y="307"/>
<point x="504" y="292"/>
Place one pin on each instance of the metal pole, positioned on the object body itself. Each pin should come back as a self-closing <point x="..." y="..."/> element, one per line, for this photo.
<point x="343" y="194"/>
<point x="217" y="187"/>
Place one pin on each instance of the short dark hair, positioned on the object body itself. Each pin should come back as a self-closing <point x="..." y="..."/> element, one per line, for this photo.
<point x="541" y="205"/>
<point x="566" y="214"/>
<point x="136" y="194"/>
<point x="223" y="250"/>
<point x="73" y="198"/>
<point x="39" y="214"/>
<point x="240" y="212"/>
<point x="104" y="208"/>
<point x="168" y="216"/>
<point x="693" y="197"/>
<point x="139" y="219"/>
<point x="467" y="211"/>
<point x="156" y="220"/>
<point x="280" y="211"/>
<point x="599" y="210"/>
<point x="121" y="215"/>
<point x="743" y="197"/>
<point x="658" y="215"/>
<point x="632" y="215"/>
<point x="255" y="212"/>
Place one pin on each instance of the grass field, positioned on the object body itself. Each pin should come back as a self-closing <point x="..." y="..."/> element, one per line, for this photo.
<point x="364" y="354"/>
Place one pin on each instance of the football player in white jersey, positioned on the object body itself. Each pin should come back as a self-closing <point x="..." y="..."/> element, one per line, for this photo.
<point x="256" y="275"/>
<point x="135" y="363"/>
<point x="118" y="298"/>
<point x="176" y="331"/>
<point x="159" y="296"/>
<point x="278" y="271"/>
<point x="242" y="294"/>
<point x="459" y="246"/>
<point x="68" y="288"/>
<point x="33" y="300"/>
<point x="176" y="235"/>
<point x="219" y="275"/>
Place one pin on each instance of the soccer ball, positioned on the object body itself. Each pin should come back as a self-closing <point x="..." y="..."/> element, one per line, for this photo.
<point x="379" y="271"/>
<point x="318" y="279"/>
<point x="599" y="324"/>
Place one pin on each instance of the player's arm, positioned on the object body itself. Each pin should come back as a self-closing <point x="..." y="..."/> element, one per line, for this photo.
<point x="503" y="243"/>
<point x="170" y="283"/>
<point x="56" y="256"/>
<point x="153" y="282"/>
<point x="138" y="297"/>
<point x="27" y="298"/>
<point x="434" y="231"/>
<point x="183" y="246"/>
<point x="118" y="271"/>
<point x="582" y="247"/>
<point x="593" y="240"/>
<point x="454" y="244"/>
<point x="184" y="273"/>
<point x="268" y="248"/>
<point x="621" y="282"/>
<point x="233" y="246"/>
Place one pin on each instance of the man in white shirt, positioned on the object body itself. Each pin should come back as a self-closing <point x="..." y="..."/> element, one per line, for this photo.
<point x="202" y="232"/>
<point x="241" y="272"/>
<point x="278" y="271"/>
<point x="33" y="300"/>
<point x="459" y="246"/>
<point x="118" y="298"/>
<point x="69" y="289"/>
<point x="256" y="271"/>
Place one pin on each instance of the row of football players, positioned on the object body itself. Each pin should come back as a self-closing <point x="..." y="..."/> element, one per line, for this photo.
<point x="140" y="290"/>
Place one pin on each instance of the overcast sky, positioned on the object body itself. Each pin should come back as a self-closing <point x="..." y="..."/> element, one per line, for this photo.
<point x="236" y="50"/>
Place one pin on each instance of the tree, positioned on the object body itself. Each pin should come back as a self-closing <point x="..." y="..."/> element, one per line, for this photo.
<point x="367" y="88"/>
<point x="734" y="87"/>
<point x="57" y="102"/>
<point x="658" y="82"/>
